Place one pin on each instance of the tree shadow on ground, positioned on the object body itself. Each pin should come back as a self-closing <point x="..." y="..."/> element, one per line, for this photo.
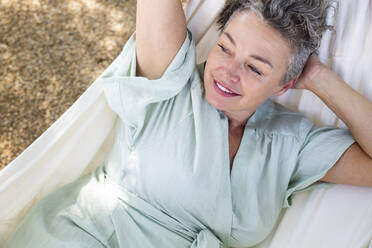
<point x="50" y="52"/>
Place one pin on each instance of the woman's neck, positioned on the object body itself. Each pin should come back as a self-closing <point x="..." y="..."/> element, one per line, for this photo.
<point x="237" y="122"/>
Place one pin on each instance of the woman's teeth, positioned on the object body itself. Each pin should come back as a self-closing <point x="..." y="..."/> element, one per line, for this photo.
<point x="223" y="88"/>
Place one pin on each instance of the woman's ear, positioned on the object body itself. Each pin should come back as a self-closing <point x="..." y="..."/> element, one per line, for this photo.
<point x="286" y="87"/>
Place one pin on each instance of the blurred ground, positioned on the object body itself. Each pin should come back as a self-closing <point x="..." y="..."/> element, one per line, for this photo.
<point x="50" y="52"/>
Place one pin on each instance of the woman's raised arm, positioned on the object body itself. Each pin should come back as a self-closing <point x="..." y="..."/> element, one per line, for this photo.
<point x="355" y="165"/>
<point x="160" y="32"/>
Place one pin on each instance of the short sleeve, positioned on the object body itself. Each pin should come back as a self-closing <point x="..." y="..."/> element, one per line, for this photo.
<point x="320" y="150"/>
<point x="131" y="96"/>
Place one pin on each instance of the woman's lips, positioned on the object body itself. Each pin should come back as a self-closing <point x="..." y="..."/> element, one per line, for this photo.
<point x="222" y="92"/>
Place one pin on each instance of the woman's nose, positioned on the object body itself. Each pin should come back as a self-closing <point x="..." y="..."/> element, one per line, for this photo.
<point x="233" y="74"/>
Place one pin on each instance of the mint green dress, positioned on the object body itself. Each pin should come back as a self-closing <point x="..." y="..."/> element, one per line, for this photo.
<point x="167" y="182"/>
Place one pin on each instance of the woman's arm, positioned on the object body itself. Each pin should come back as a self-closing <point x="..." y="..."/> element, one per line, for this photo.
<point x="160" y="32"/>
<point x="355" y="166"/>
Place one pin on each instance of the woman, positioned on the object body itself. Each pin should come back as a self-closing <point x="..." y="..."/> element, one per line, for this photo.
<point x="212" y="162"/>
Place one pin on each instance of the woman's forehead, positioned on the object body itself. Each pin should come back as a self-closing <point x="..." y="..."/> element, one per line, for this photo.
<point x="248" y="33"/>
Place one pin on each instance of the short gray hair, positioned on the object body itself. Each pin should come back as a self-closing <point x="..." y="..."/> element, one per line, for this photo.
<point x="300" y="22"/>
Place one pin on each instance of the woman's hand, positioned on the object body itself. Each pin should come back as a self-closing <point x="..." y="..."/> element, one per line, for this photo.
<point x="313" y="74"/>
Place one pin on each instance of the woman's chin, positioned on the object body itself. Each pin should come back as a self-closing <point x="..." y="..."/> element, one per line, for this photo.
<point x="214" y="102"/>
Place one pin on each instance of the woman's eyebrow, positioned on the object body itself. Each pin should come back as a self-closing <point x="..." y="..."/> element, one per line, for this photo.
<point x="262" y="60"/>
<point x="253" y="56"/>
<point x="230" y="38"/>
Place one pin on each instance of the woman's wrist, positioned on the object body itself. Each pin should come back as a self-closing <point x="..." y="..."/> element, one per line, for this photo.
<point x="316" y="76"/>
<point x="325" y="80"/>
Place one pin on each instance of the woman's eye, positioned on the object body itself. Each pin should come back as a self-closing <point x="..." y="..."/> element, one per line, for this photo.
<point x="223" y="48"/>
<point x="255" y="70"/>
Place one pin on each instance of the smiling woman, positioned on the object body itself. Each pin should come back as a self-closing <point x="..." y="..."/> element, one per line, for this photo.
<point x="202" y="157"/>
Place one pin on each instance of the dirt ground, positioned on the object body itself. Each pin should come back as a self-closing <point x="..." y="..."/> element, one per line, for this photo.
<point x="50" y="52"/>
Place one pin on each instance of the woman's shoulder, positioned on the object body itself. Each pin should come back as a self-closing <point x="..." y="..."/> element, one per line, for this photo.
<point x="279" y="120"/>
<point x="138" y="99"/>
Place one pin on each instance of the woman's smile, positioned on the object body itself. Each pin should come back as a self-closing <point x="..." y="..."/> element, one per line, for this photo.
<point x="223" y="90"/>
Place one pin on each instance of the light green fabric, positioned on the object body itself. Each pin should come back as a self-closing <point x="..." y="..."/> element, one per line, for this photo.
<point x="167" y="182"/>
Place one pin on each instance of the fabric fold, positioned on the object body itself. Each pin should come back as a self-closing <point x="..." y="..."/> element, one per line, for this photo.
<point x="135" y="206"/>
<point x="206" y="239"/>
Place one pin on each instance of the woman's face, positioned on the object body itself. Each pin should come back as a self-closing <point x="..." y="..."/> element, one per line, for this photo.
<point x="249" y="59"/>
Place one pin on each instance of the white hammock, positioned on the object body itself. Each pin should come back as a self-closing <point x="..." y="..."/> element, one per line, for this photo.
<point x="339" y="216"/>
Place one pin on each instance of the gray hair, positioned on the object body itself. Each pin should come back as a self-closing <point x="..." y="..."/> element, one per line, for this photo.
<point x="300" y="22"/>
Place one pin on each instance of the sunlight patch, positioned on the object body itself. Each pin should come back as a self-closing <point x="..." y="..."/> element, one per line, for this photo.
<point x="75" y="6"/>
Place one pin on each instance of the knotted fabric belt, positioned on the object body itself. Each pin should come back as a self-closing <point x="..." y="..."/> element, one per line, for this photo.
<point x="203" y="238"/>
